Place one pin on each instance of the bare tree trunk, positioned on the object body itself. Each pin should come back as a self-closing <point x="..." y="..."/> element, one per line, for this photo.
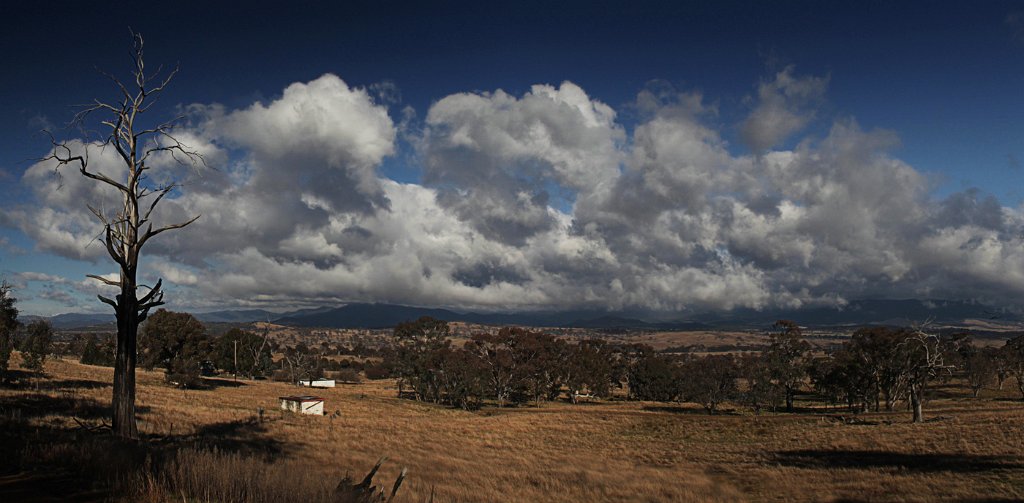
<point x="259" y="352"/>
<point x="123" y="400"/>
<point x="915" y="404"/>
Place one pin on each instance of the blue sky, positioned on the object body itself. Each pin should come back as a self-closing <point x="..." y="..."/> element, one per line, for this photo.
<point x="943" y="80"/>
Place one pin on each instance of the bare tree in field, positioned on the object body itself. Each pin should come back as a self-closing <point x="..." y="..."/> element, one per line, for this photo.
<point x="128" y="227"/>
<point x="924" y="359"/>
<point x="787" y="358"/>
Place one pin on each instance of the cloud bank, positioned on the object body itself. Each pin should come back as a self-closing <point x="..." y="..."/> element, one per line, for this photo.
<point x="546" y="200"/>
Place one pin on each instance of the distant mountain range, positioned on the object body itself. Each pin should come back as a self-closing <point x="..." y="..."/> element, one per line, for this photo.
<point x="861" y="312"/>
<point x="872" y="312"/>
<point x="357" y="315"/>
<point x="240" y="316"/>
<point x="388" y="315"/>
<point x="81" y="320"/>
<point x="365" y="316"/>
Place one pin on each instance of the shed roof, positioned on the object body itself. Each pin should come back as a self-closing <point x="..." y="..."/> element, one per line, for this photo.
<point x="302" y="398"/>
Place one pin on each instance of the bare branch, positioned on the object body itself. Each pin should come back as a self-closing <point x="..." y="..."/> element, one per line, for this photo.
<point x="98" y="213"/>
<point x="114" y="254"/>
<point x="144" y="308"/>
<point x="104" y="280"/>
<point x="154" y="298"/>
<point x="144" y="313"/>
<point x="124" y="90"/>
<point x="158" y="301"/>
<point x="153" y="292"/>
<point x="163" y="127"/>
<point x="63" y="155"/>
<point x="163" y="192"/>
<point x="150" y="232"/>
<point x="166" y="81"/>
<point x="90" y="428"/>
<point x="173" y="147"/>
<point x="107" y="301"/>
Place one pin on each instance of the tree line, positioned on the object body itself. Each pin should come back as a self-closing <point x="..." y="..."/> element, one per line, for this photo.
<point x="512" y="366"/>
<point x="517" y="365"/>
<point x="184" y="347"/>
<point x="878" y="368"/>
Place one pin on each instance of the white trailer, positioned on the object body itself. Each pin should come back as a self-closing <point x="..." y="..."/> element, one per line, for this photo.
<point x="317" y="383"/>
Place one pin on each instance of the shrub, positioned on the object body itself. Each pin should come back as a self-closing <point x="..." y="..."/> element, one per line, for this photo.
<point x="184" y="373"/>
<point x="36" y="346"/>
<point x="654" y="377"/>
<point x="376" y="371"/>
<point x="348" y="375"/>
<point x="94" y="353"/>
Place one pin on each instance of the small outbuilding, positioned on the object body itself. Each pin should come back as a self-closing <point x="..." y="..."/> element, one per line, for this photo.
<point x="317" y="383"/>
<point x="304" y="404"/>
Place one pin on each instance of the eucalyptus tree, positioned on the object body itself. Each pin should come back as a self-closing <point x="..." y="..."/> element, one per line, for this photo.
<point x="1013" y="360"/>
<point x="8" y="324"/>
<point x="710" y="380"/>
<point x="787" y="357"/>
<point x="36" y="346"/>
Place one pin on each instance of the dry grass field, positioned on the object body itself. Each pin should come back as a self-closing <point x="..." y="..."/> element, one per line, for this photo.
<point x="669" y="339"/>
<point x="720" y="341"/>
<point x="600" y="451"/>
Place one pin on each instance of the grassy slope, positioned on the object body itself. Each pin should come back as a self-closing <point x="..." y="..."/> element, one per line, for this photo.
<point x="607" y="451"/>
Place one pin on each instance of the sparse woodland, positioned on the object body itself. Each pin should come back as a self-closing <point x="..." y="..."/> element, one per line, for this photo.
<point x="877" y="369"/>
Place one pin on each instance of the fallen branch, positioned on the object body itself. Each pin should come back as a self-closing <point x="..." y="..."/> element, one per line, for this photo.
<point x="103" y="426"/>
<point x="365" y="492"/>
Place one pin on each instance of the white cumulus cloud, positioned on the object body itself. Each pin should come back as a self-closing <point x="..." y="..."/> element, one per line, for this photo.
<point x="543" y="200"/>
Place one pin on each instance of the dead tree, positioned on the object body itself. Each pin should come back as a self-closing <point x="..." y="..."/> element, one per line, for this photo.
<point x="258" y="352"/>
<point x="301" y="365"/>
<point x="924" y="361"/>
<point x="129" y="227"/>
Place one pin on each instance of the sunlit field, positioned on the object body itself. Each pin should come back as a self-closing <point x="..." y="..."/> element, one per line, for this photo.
<point x="970" y="449"/>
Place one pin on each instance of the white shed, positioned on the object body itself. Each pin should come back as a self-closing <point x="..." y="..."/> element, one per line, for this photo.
<point x="318" y="383"/>
<point x="305" y="404"/>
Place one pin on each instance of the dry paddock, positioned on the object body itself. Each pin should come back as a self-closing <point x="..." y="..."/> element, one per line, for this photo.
<point x="600" y="451"/>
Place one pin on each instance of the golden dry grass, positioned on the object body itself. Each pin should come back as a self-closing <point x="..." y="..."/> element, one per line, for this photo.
<point x="604" y="451"/>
